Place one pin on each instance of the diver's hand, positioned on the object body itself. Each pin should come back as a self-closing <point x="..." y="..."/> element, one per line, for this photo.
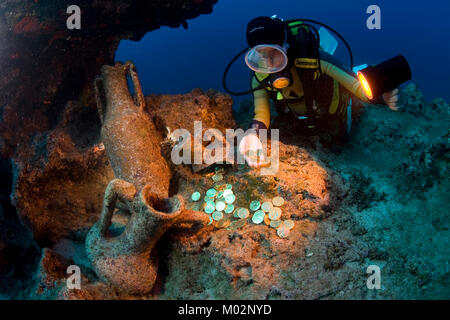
<point x="391" y="99"/>
<point x="252" y="150"/>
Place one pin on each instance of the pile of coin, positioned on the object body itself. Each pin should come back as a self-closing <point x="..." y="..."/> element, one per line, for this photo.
<point x="270" y="212"/>
<point x="219" y="201"/>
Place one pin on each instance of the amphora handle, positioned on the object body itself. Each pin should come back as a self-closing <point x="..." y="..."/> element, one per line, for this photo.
<point x="116" y="189"/>
<point x="139" y="99"/>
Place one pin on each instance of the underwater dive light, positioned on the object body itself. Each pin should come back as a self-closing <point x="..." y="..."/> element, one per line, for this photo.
<point x="385" y="76"/>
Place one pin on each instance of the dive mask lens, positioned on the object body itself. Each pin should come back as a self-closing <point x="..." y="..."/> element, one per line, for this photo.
<point x="266" y="58"/>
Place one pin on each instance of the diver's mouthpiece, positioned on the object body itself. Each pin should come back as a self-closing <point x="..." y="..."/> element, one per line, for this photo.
<point x="385" y="76"/>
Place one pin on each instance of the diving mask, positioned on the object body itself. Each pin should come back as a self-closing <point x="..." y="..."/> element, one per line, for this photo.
<point x="266" y="58"/>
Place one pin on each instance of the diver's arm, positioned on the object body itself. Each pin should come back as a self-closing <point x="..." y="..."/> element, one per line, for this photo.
<point x="262" y="107"/>
<point x="250" y="144"/>
<point x="347" y="80"/>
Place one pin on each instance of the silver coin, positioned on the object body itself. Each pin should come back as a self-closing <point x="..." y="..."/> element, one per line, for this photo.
<point x="210" y="203"/>
<point x="230" y="198"/>
<point x="258" y="217"/>
<point x="283" y="232"/>
<point x="227" y="192"/>
<point x="196" y="196"/>
<point x="267" y="206"/>
<point x="211" y="193"/>
<point x="229" y="208"/>
<point x="220" y="205"/>
<point x="243" y="213"/>
<point x="251" y="153"/>
<point x="217" y="215"/>
<point x="255" y="205"/>
<point x="278" y="201"/>
<point x="275" y="214"/>
<point x="209" y="208"/>
<point x="217" y="177"/>
<point x="275" y="224"/>
<point x="289" y="224"/>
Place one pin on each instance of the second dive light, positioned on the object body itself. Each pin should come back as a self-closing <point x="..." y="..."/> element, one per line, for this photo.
<point x="384" y="77"/>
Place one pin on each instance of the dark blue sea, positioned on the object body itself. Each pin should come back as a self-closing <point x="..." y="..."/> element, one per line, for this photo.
<point x="177" y="60"/>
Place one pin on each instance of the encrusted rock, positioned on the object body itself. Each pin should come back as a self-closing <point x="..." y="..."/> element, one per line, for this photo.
<point x="59" y="189"/>
<point x="412" y="100"/>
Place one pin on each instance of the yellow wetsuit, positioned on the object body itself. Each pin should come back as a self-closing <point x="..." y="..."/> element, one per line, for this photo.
<point x="342" y="81"/>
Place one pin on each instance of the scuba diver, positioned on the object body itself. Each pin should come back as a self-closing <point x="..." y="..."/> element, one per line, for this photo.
<point x="291" y="69"/>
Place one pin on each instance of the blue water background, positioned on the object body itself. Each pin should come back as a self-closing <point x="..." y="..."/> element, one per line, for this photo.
<point x="177" y="60"/>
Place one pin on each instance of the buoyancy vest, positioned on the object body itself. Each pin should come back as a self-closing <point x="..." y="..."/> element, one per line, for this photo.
<point x="321" y="93"/>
